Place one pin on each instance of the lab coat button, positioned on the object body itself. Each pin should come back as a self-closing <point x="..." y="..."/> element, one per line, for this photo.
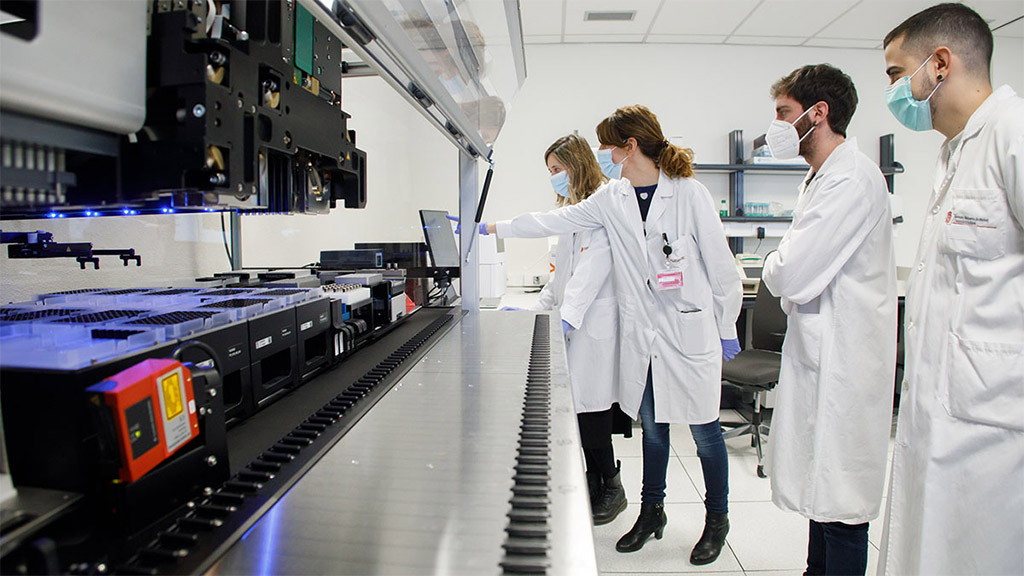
<point x="935" y="210"/>
<point x="920" y="267"/>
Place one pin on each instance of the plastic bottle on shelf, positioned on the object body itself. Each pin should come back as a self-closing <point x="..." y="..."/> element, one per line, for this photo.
<point x="724" y="210"/>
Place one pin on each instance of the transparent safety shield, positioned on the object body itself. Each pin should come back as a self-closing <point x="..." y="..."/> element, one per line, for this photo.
<point x="461" y="60"/>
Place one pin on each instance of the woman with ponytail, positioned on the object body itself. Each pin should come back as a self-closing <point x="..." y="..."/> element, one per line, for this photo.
<point x="679" y="295"/>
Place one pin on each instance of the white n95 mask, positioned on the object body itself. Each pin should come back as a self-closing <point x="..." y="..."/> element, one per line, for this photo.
<point x="783" y="140"/>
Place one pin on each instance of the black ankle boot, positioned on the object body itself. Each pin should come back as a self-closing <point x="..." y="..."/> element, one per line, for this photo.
<point x="652" y="520"/>
<point x="611" y="500"/>
<point x="594" y="484"/>
<point x="716" y="526"/>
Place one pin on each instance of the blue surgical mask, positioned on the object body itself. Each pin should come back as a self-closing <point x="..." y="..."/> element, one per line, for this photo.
<point x="608" y="166"/>
<point x="911" y="112"/>
<point x="560" y="182"/>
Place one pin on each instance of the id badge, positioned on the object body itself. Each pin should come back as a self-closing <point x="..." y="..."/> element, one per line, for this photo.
<point x="670" y="279"/>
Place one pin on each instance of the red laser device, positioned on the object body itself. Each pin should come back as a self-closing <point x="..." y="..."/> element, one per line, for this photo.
<point x="153" y="411"/>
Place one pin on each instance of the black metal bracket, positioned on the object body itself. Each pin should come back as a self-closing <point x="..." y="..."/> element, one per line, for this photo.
<point x="40" y="244"/>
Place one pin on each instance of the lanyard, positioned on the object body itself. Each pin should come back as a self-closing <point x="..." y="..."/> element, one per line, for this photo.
<point x="667" y="249"/>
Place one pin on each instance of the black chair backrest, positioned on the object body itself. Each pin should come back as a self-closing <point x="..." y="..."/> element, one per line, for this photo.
<point x="769" y="323"/>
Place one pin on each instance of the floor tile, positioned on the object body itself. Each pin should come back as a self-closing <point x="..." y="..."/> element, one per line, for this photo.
<point x="744" y="484"/>
<point x="678" y="487"/>
<point x="682" y="440"/>
<point x="875" y="527"/>
<point x="766" y="538"/>
<point x="872" y="560"/>
<point x="671" y="554"/>
<point x="628" y="447"/>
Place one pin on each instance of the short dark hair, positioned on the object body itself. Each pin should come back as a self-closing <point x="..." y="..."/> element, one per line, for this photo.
<point x="821" y="83"/>
<point x="953" y="25"/>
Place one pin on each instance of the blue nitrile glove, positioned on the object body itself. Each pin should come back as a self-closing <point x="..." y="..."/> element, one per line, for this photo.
<point x="566" y="327"/>
<point x="730" y="348"/>
<point x="509" y="308"/>
<point x="458" y="227"/>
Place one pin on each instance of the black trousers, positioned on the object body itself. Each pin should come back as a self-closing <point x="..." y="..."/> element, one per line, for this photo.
<point x="836" y="549"/>
<point x="596" y="437"/>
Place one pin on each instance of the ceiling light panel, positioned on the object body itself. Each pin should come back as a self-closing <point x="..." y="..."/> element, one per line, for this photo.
<point x="576" y="11"/>
<point x="605" y="16"/>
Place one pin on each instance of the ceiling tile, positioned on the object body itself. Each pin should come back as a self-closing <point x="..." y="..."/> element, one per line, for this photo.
<point x="873" y="19"/>
<point x="543" y="39"/>
<point x="701" y="16"/>
<point x="843" y="43"/>
<point x="604" y="38"/>
<point x="1015" y="30"/>
<point x="792" y="17"/>
<point x="576" y="9"/>
<point x="998" y="12"/>
<point x="685" y="38"/>
<point x="541" y="17"/>
<point x="766" y="40"/>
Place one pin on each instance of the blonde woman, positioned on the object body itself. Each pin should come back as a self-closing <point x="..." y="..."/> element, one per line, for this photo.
<point x="582" y="290"/>
<point x="679" y="295"/>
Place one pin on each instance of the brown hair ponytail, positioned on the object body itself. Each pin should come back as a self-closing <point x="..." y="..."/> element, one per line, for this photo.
<point x="676" y="161"/>
<point x="641" y="124"/>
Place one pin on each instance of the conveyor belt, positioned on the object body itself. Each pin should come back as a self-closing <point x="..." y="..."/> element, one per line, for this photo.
<point x="422" y="484"/>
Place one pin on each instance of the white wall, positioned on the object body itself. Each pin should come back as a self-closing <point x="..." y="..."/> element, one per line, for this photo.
<point x="175" y="249"/>
<point x="699" y="92"/>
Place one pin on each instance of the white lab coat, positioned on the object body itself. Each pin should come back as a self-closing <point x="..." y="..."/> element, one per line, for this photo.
<point x="835" y="272"/>
<point x="583" y="292"/>
<point x="677" y="332"/>
<point x="956" y="498"/>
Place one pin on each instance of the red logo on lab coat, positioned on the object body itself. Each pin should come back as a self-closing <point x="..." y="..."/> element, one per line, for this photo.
<point x="949" y="216"/>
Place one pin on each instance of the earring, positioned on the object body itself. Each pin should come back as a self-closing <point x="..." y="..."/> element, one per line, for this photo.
<point x="940" y="77"/>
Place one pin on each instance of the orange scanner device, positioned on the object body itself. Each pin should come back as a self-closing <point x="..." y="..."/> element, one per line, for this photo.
<point x="152" y="410"/>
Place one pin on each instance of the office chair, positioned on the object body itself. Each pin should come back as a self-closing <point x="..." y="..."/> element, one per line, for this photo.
<point x="756" y="369"/>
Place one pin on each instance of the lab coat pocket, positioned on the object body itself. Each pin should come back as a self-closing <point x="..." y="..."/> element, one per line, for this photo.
<point x="975" y="226"/>
<point x="602" y="319"/>
<point x="986" y="382"/>
<point x="697" y="333"/>
<point x="803" y="335"/>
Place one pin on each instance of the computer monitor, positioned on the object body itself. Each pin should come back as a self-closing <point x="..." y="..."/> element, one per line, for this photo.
<point x="437" y="230"/>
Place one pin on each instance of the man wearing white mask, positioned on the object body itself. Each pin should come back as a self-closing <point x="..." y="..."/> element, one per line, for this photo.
<point x="835" y="273"/>
<point x="956" y="500"/>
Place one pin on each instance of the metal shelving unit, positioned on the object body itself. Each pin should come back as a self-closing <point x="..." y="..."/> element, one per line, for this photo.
<point x="737" y="168"/>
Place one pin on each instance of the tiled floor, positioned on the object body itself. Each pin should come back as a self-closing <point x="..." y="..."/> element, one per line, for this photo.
<point x="763" y="540"/>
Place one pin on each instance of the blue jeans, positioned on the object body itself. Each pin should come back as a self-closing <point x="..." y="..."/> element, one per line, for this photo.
<point x="714" y="461"/>
<point x="837" y="549"/>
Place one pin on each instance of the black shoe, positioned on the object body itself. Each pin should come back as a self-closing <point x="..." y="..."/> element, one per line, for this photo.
<point x="652" y="520"/>
<point x="611" y="500"/>
<point x="716" y="526"/>
<point x="594" y="484"/>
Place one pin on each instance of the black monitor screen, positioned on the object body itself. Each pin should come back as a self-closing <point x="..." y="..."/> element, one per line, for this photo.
<point x="437" y="230"/>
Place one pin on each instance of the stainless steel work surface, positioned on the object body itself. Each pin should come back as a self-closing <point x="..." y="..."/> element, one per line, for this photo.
<point x="421" y="484"/>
